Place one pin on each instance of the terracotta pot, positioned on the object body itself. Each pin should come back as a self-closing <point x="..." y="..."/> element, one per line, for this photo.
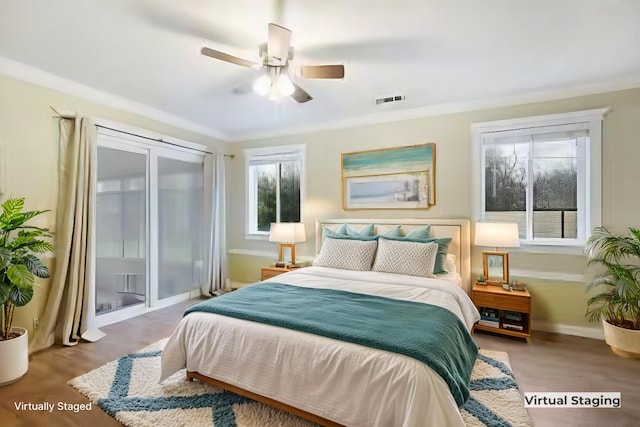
<point x="623" y="342"/>
<point x="14" y="357"/>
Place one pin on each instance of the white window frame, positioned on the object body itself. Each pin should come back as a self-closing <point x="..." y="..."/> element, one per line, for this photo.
<point x="298" y="151"/>
<point x="592" y="176"/>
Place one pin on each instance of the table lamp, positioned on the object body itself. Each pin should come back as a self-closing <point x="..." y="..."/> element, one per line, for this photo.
<point x="496" y="234"/>
<point x="287" y="234"/>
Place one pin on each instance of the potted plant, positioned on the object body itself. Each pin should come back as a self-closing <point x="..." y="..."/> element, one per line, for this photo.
<point x="482" y="280"/>
<point x="618" y="303"/>
<point x="18" y="268"/>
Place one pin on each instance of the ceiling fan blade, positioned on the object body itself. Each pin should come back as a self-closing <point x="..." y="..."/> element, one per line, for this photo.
<point x="279" y="43"/>
<point x="228" y="58"/>
<point x="322" y="71"/>
<point x="300" y="94"/>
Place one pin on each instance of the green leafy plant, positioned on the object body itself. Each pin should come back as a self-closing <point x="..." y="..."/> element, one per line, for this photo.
<point x="18" y="264"/>
<point x="481" y="278"/>
<point x="619" y="300"/>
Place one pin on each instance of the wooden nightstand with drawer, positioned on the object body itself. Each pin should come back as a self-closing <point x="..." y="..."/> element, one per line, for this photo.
<point x="508" y="305"/>
<point x="272" y="271"/>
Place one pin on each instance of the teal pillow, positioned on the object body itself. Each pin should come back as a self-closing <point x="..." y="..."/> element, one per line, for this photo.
<point x="366" y="231"/>
<point x="419" y="233"/>
<point x="392" y="232"/>
<point x="441" y="257"/>
<point x="340" y="233"/>
<point x="357" y="237"/>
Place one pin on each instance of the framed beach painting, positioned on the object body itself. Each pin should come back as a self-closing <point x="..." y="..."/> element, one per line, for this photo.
<point x="390" y="178"/>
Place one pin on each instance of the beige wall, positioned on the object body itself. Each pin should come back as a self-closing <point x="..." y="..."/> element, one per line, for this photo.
<point x="28" y="143"/>
<point x="29" y="147"/>
<point x="556" y="281"/>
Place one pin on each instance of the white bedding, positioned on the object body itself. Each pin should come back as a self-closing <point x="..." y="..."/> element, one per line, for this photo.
<point x="344" y="382"/>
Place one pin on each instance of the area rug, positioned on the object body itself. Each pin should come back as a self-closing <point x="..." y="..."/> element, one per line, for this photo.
<point x="127" y="389"/>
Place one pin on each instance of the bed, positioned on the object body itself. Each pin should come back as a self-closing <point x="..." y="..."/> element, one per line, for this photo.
<point x="317" y="374"/>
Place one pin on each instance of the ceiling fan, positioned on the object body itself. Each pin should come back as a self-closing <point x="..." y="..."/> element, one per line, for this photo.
<point x="276" y="55"/>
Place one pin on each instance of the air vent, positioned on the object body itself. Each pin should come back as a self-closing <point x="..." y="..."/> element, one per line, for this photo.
<point x="387" y="99"/>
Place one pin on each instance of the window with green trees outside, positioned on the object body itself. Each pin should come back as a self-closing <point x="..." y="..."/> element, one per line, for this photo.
<point x="275" y="182"/>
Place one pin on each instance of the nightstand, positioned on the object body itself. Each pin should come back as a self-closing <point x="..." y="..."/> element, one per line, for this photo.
<point x="514" y="303"/>
<point x="272" y="271"/>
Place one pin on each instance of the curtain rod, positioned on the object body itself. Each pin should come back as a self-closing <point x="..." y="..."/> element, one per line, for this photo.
<point x="72" y="115"/>
<point x="152" y="139"/>
<point x="231" y="156"/>
<point x="63" y="115"/>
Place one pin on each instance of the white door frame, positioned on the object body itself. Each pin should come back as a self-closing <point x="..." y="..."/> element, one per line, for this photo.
<point x="152" y="149"/>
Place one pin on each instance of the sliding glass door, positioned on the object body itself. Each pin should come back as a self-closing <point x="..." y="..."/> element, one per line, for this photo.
<point x="121" y="228"/>
<point x="180" y="224"/>
<point x="149" y="227"/>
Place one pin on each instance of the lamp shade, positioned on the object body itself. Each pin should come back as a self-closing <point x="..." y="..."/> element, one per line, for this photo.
<point x="287" y="232"/>
<point x="497" y="234"/>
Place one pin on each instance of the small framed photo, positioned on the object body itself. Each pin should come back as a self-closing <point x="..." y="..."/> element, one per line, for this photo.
<point x="496" y="267"/>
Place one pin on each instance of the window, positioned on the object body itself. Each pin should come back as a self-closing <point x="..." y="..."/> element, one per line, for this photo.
<point x="275" y="184"/>
<point x="542" y="173"/>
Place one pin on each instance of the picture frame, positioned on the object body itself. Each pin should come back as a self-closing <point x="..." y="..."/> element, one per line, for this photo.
<point x="496" y="267"/>
<point x="389" y="178"/>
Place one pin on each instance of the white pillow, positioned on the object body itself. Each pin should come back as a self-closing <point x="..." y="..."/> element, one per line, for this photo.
<point x="346" y="254"/>
<point x="404" y="257"/>
<point x="450" y="263"/>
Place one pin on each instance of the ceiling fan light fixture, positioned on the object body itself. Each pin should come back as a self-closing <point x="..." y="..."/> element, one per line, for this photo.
<point x="262" y="85"/>
<point x="274" y="94"/>
<point x="275" y="57"/>
<point x="284" y="85"/>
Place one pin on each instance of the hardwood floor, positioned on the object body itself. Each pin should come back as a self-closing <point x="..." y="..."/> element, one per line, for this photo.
<point x="49" y="371"/>
<point x="550" y="363"/>
<point x="554" y="362"/>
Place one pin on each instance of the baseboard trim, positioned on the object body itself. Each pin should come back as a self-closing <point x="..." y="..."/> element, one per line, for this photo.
<point x="579" y="331"/>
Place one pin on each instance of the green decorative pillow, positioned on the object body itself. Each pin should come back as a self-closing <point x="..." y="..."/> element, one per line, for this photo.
<point x="392" y="232"/>
<point x="366" y="231"/>
<point x="339" y="233"/>
<point x="441" y="258"/>
<point x="419" y="233"/>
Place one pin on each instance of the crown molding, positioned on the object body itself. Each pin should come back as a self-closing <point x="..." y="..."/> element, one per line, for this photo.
<point x="449" y="108"/>
<point x="30" y="74"/>
<point x="36" y="76"/>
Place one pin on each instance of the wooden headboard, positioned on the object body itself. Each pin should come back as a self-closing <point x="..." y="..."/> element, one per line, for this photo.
<point x="457" y="229"/>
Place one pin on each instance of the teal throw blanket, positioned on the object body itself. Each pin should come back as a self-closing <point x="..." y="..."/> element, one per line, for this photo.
<point x="428" y="333"/>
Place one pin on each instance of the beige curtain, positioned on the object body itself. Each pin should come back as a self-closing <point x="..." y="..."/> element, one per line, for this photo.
<point x="65" y="312"/>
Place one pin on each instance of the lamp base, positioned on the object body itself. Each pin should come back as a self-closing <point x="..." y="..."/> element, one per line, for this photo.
<point x="281" y="257"/>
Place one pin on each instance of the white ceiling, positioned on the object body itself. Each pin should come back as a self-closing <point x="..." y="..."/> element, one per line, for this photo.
<point x="434" y="52"/>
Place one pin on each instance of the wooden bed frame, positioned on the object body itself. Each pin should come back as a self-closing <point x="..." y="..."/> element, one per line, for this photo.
<point x="262" y="399"/>
<point x="456" y="229"/>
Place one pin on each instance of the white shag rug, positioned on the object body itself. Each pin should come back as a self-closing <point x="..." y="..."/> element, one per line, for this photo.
<point x="127" y="389"/>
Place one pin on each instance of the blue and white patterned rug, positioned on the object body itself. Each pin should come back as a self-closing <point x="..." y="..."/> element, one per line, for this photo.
<point x="127" y="389"/>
